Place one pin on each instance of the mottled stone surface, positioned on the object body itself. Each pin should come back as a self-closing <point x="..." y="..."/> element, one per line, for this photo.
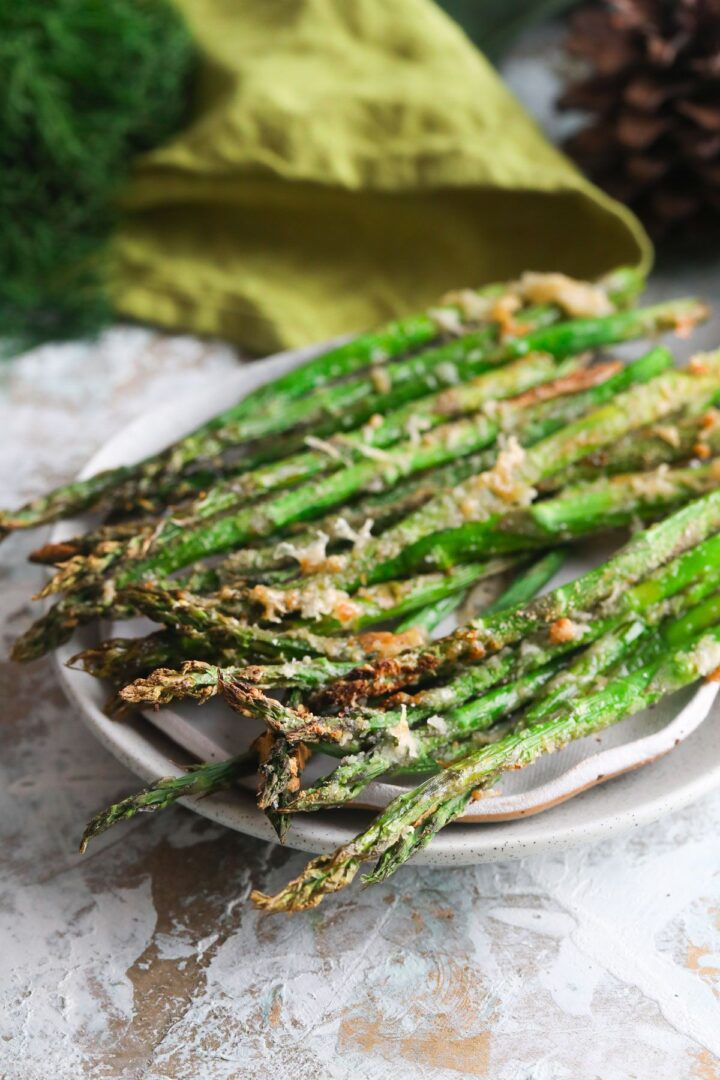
<point x="144" y="960"/>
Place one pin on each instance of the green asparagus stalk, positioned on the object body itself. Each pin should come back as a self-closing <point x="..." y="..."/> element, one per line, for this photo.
<point x="380" y="509"/>
<point x="353" y="401"/>
<point x="583" y="508"/>
<point x="412" y="819"/>
<point x="691" y="433"/>
<point x="523" y="587"/>
<point x="121" y="660"/>
<point x="486" y="711"/>
<point x="400" y="748"/>
<point x="239" y="423"/>
<point x="550" y="688"/>
<point x="446" y="442"/>
<point x="306" y="501"/>
<point x="76" y="570"/>
<point x="482" y="496"/>
<point x="512" y="477"/>
<point x="380" y="603"/>
<point x="201" y="680"/>
<point x="188" y="612"/>
<point x="644" y="553"/>
<point x="529" y="424"/>
<point x="368" y="349"/>
<point x="197" y="780"/>
<point x="557" y="378"/>
<point x="274" y="398"/>
<point x="188" y="544"/>
<point x="415" y="417"/>
<point x="279" y="775"/>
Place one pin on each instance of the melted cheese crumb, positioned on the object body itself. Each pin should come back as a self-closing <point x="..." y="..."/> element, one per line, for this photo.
<point x="403" y="736"/>
<point x="565" y="630"/>
<point x="324" y="447"/>
<point x="707" y="655"/>
<point x="358" y="537"/>
<point x="472" y="304"/>
<point x="447" y="320"/>
<point x="313" y="600"/>
<point x="310" y="557"/>
<point x="580" y="299"/>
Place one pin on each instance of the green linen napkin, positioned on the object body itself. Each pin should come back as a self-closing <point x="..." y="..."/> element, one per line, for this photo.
<point x="349" y="161"/>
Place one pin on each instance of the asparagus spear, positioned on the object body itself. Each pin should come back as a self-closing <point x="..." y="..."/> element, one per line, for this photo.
<point x="381" y="509"/>
<point x="411" y="820"/>
<point x="202" y="680"/>
<point x="198" y="780"/>
<point x="449" y="441"/>
<point x="580" y="509"/>
<point x="353" y="401"/>
<point x="550" y="687"/>
<point x="122" y="659"/>
<point x="645" y="552"/>
<point x="514" y="476"/>
<point x="691" y="433"/>
<point x="187" y="544"/>
<point x="523" y="587"/>
<point x="66" y="617"/>
<point x="558" y="378"/>
<point x="281" y="775"/>
<point x="188" y="612"/>
<point x="530" y="425"/>
<point x="268" y="400"/>
<point x="416" y="416"/>
<point x="511" y="480"/>
<point x="391" y="340"/>
<point x="379" y="603"/>
<point x="484" y="712"/>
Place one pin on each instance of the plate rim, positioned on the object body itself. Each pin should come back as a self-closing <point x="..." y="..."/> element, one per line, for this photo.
<point x="465" y="843"/>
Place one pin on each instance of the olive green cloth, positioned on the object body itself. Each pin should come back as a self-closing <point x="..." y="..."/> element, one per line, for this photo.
<point x="349" y="161"/>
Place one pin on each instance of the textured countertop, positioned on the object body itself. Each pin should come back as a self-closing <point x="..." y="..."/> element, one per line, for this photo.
<point x="144" y="960"/>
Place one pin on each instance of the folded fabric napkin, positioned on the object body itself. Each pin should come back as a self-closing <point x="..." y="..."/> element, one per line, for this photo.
<point x="349" y="161"/>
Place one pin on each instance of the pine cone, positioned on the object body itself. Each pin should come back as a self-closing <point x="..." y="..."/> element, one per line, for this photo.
<point x="654" y="88"/>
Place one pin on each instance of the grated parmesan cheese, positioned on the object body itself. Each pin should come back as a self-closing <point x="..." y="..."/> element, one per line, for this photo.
<point x="380" y="380"/>
<point x="310" y="557"/>
<point x="415" y="427"/>
<point x="313" y="600"/>
<point x="578" y="299"/>
<point x="668" y="433"/>
<point x="375" y="453"/>
<point x="447" y="373"/>
<point x="473" y="306"/>
<point x="324" y="447"/>
<point x="437" y="723"/>
<point x="565" y="630"/>
<point x="447" y="320"/>
<point x="504" y="480"/>
<point x="358" y="537"/>
<point x="403" y="736"/>
<point x="707" y="655"/>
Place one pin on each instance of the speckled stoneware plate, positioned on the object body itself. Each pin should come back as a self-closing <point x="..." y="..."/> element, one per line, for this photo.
<point x="592" y="788"/>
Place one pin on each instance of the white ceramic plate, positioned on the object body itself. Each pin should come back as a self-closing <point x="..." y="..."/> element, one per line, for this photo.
<point x="503" y="825"/>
